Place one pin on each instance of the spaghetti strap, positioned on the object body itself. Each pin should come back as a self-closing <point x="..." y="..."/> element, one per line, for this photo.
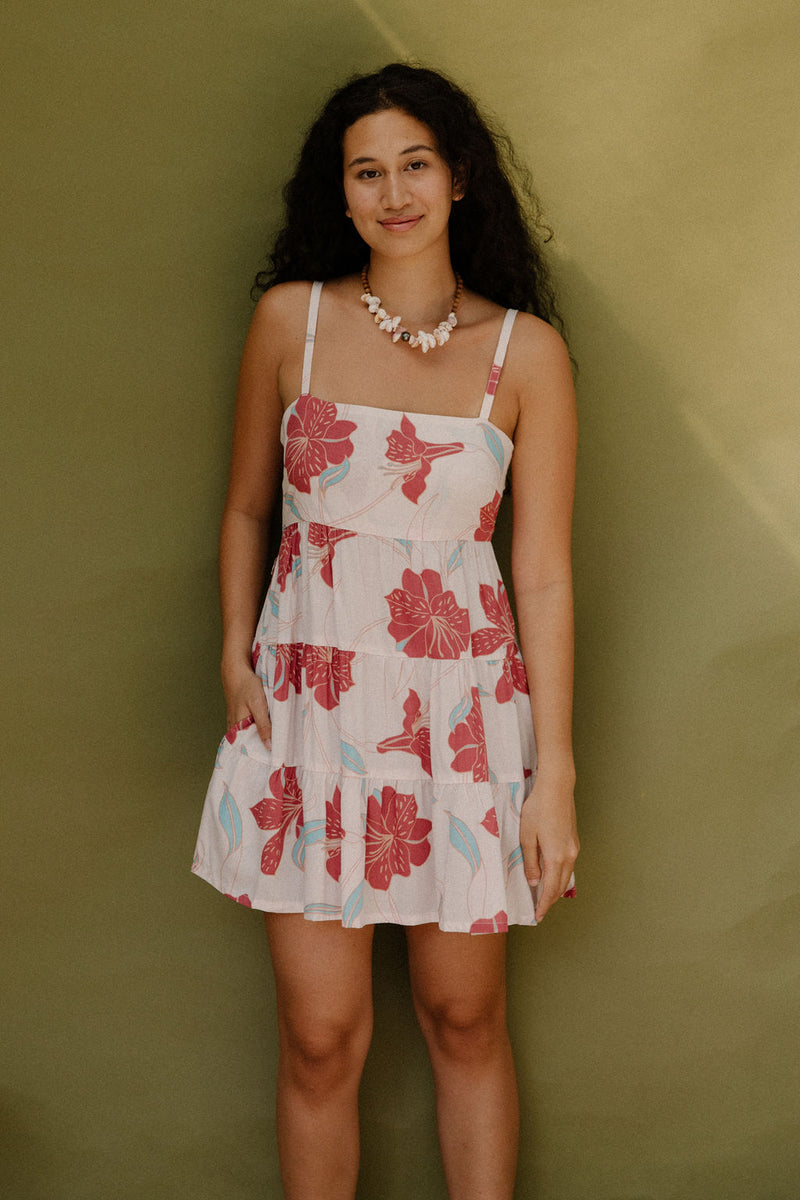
<point x="497" y="365"/>
<point x="311" y="333"/>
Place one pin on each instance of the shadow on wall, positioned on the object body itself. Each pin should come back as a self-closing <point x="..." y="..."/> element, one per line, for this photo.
<point x="667" y="993"/>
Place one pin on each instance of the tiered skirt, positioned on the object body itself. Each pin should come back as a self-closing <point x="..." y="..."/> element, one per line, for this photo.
<point x="402" y="741"/>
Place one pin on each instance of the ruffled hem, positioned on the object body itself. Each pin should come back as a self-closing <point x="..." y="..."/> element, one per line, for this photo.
<point x="499" y="923"/>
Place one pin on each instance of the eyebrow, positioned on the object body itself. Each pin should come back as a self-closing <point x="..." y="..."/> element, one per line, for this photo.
<point x="409" y="150"/>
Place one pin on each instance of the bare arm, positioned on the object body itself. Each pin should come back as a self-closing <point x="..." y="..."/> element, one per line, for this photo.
<point x="253" y="488"/>
<point x="543" y="486"/>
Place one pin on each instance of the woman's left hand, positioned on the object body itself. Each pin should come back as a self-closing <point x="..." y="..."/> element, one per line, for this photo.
<point x="549" y="838"/>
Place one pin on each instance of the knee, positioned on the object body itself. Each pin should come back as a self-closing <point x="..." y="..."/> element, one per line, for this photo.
<point x="464" y="1030"/>
<point x="323" y="1054"/>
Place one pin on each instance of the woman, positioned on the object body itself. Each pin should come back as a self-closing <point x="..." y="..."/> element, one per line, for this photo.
<point x="380" y="762"/>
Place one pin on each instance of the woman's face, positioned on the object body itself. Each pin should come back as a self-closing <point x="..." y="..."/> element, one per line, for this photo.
<point x="398" y="188"/>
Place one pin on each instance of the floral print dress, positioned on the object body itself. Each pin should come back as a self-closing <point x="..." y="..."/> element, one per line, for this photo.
<point x="402" y="737"/>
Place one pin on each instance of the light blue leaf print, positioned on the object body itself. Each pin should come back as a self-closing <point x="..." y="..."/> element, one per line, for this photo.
<point x="460" y="711"/>
<point x="352" y="759"/>
<point x="321" y="910"/>
<point x="514" y="789"/>
<point x="405" y="544"/>
<point x="353" y="905"/>
<point x="464" y="842"/>
<point x="273" y="602"/>
<point x="454" y="560"/>
<point x="230" y="820"/>
<point x="334" y="474"/>
<point x="311" y="833"/>
<point x="289" y="502"/>
<point x="494" y="444"/>
<point x="514" y="860"/>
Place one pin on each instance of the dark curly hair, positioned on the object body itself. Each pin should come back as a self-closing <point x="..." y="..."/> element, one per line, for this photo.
<point x="496" y="250"/>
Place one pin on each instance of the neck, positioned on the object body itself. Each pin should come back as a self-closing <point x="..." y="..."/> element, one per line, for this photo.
<point x="421" y="292"/>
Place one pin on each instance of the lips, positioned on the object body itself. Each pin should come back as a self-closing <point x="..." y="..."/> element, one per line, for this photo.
<point x="398" y="224"/>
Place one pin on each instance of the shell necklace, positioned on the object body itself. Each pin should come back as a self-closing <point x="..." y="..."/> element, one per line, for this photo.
<point x="394" y="326"/>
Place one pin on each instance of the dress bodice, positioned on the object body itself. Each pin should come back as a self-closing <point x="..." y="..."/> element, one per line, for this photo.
<point x="417" y="476"/>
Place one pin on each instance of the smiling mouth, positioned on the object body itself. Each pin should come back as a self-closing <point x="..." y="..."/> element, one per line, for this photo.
<point x="400" y="222"/>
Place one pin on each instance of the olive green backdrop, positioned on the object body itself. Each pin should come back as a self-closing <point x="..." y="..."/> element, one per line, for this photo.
<point x="654" y="1017"/>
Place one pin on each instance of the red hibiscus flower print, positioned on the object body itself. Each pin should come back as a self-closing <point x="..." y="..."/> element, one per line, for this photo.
<point x="324" y="537"/>
<point x="415" y="457"/>
<point x="243" y="899"/>
<point x="288" y="669"/>
<point x="277" y="811"/>
<point x="314" y="439"/>
<point x="496" y="924"/>
<point x="416" y="735"/>
<point x="288" y="552"/>
<point x="488" y="517"/>
<point x="469" y="742"/>
<point x="489" y="822"/>
<point x="500" y="634"/>
<point x="328" y="673"/>
<point x="333" y="835"/>
<point x="397" y="838"/>
<point x="512" y="676"/>
<point x="426" y="621"/>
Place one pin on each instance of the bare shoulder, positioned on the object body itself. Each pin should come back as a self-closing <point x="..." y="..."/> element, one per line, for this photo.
<point x="535" y="343"/>
<point x="277" y="327"/>
<point x="538" y="365"/>
<point x="281" y="307"/>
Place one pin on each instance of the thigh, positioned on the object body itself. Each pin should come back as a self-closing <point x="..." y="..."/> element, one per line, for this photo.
<point x="323" y="972"/>
<point x="457" y="974"/>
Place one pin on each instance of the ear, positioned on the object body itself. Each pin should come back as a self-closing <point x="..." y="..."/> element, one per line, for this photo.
<point x="460" y="177"/>
<point x="347" y="213"/>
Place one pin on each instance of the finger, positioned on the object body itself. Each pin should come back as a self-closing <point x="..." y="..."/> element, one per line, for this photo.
<point x="260" y="711"/>
<point x="531" y="864"/>
<point x="550" y="891"/>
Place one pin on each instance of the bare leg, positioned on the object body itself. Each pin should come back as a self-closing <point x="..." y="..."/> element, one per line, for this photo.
<point x="458" y="981"/>
<point x="323" y="978"/>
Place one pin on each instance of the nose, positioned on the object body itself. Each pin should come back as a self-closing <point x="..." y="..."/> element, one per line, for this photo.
<point x="395" y="190"/>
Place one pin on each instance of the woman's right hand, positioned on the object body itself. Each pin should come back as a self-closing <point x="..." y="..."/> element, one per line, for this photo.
<point x="244" y="697"/>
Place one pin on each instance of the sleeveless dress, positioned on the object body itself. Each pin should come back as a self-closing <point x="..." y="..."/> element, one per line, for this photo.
<point x="402" y="737"/>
